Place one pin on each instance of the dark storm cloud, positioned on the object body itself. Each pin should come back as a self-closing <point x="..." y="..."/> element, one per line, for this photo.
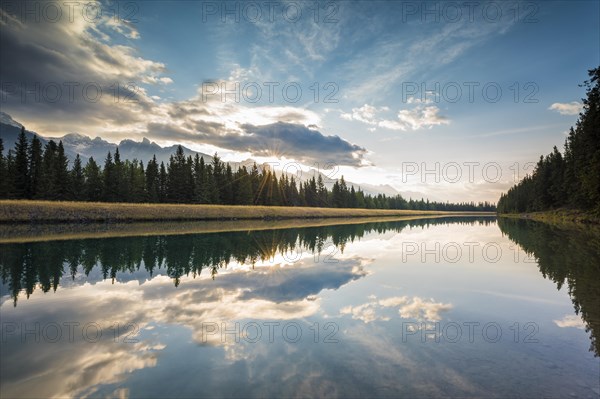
<point x="291" y="117"/>
<point x="298" y="142"/>
<point x="277" y="139"/>
<point x="181" y="110"/>
<point x="172" y="132"/>
<point x="52" y="70"/>
<point x="301" y="283"/>
<point x="276" y="284"/>
<point x="70" y="77"/>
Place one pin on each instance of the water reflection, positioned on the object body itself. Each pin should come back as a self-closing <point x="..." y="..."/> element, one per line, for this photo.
<point x="565" y="256"/>
<point x="25" y="266"/>
<point x="416" y="308"/>
<point x="158" y="299"/>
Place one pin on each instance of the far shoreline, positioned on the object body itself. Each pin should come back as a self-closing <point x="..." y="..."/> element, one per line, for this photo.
<point x="558" y="217"/>
<point x="24" y="233"/>
<point x="13" y="212"/>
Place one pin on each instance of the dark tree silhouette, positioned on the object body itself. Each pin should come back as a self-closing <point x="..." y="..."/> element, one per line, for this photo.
<point x="44" y="174"/>
<point x="21" y="167"/>
<point x="569" y="180"/>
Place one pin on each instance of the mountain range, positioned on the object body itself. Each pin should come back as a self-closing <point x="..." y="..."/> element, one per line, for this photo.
<point x="97" y="148"/>
<point x="86" y="147"/>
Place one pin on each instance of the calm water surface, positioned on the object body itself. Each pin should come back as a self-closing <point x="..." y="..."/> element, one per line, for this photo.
<point x="433" y="307"/>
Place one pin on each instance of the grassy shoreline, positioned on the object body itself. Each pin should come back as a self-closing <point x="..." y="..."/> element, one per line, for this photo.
<point x="22" y="233"/>
<point x="562" y="217"/>
<point x="55" y="212"/>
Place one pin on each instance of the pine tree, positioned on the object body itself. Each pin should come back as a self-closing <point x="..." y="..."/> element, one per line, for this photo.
<point x="61" y="174"/>
<point x="571" y="180"/>
<point x="284" y="189"/>
<point x="77" y="192"/>
<point x="35" y="167"/>
<point x="345" y="193"/>
<point x="243" y="187"/>
<point x="3" y="173"/>
<point x="197" y="180"/>
<point x="353" y="203"/>
<point x="275" y="191"/>
<point x="21" y="183"/>
<point x="47" y="188"/>
<point x="94" y="184"/>
<point x="322" y="193"/>
<point x="310" y="193"/>
<point x="125" y="193"/>
<point x="162" y="183"/>
<point x="10" y="171"/>
<point x="201" y="182"/>
<point x="557" y="172"/>
<point x="360" y="199"/>
<point x="152" y="181"/>
<point x="120" y="176"/>
<point x="216" y="184"/>
<point x="255" y="181"/>
<point x="110" y="179"/>
<point x="188" y="180"/>
<point x="588" y="128"/>
<point x="228" y="193"/>
<point x="302" y="195"/>
<point x="137" y="192"/>
<point x="179" y="177"/>
<point x="293" y="196"/>
<point x="336" y="195"/>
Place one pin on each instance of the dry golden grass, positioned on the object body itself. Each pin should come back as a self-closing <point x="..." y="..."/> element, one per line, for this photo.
<point x="25" y="211"/>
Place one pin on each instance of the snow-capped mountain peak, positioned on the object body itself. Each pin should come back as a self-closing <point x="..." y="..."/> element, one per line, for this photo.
<point x="8" y="120"/>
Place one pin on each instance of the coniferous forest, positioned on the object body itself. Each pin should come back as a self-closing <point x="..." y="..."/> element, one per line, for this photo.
<point x="570" y="179"/>
<point x="32" y="172"/>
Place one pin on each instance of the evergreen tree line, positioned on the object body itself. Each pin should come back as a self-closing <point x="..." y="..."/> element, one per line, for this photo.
<point x="32" y="172"/>
<point x="570" y="179"/>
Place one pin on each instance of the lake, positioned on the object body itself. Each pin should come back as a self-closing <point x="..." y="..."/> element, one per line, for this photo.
<point x="459" y="307"/>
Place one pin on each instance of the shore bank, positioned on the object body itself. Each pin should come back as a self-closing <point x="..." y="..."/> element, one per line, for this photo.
<point x="21" y="233"/>
<point x="40" y="212"/>
<point x="565" y="217"/>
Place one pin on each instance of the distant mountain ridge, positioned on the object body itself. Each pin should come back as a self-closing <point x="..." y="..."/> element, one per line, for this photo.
<point x="86" y="147"/>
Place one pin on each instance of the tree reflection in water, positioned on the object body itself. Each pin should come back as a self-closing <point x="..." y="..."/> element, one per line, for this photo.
<point x="565" y="255"/>
<point x="25" y="266"/>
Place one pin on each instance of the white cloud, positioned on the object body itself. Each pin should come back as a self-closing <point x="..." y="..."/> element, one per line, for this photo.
<point x="408" y="119"/>
<point x="367" y="312"/>
<point x="393" y="301"/>
<point x="570" y="320"/>
<point x="416" y="118"/>
<point x="415" y="100"/>
<point x="365" y="114"/>
<point x="107" y="79"/>
<point x="79" y="368"/>
<point x="424" y="310"/>
<point x="388" y="62"/>
<point x="409" y="308"/>
<point x="572" y="108"/>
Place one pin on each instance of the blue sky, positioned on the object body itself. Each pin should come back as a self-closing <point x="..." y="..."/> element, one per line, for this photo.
<point x="371" y="58"/>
